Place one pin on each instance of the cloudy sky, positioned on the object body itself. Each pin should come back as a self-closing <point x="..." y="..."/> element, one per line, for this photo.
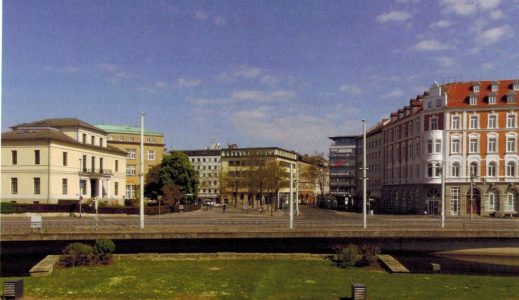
<point x="255" y="73"/>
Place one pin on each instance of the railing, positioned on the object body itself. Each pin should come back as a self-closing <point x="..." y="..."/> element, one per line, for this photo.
<point x="97" y="171"/>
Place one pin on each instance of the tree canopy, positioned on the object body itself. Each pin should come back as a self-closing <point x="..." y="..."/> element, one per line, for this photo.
<point x="173" y="178"/>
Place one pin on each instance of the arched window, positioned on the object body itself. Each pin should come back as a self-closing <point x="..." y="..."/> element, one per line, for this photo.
<point x="492" y="169"/>
<point x="510" y="169"/>
<point x="473" y="169"/>
<point x="455" y="170"/>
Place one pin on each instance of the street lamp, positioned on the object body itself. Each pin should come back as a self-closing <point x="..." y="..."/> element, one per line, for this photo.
<point x="472" y="176"/>
<point x="364" y="175"/>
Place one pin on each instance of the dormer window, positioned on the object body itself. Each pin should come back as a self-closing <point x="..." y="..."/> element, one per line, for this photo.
<point x="473" y="100"/>
<point x="516" y="86"/>
<point x="492" y="99"/>
<point x="475" y="88"/>
<point x="495" y="86"/>
<point x="510" y="98"/>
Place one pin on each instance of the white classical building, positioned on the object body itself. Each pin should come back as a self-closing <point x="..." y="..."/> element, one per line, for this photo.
<point x="61" y="159"/>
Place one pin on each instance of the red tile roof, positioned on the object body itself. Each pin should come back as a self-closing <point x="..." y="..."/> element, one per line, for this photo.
<point x="459" y="93"/>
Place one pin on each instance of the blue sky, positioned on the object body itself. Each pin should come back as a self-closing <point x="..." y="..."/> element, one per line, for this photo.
<point x="255" y="73"/>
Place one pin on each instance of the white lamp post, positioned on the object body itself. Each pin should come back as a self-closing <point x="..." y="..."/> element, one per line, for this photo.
<point x="141" y="174"/>
<point x="291" y="197"/>
<point x="364" y="175"/>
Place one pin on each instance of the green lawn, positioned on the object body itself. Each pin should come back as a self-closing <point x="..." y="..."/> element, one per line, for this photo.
<point x="256" y="279"/>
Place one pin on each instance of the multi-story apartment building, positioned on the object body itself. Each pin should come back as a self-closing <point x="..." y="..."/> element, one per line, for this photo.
<point x="128" y="139"/>
<point x="208" y="164"/>
<point x="342" y="168"/>
<point x="247" y="178"/>
<point x="460" y="132"/>
<point x="60" y="159"/>
<point x="374" y="164"/>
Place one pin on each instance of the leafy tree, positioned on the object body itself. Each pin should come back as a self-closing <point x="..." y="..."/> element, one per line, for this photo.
<point x="173" y="178"/>
<point x="317" y="171"/>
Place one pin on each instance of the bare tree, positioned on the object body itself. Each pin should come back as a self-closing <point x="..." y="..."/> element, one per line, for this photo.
<point x="277" y="177"/>
<point x="317" y="172"/>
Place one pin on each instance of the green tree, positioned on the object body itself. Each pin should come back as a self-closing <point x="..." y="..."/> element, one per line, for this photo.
<point x="172" y="179"/>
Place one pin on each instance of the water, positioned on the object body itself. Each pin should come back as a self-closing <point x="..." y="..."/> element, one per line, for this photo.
<point x="18" y="265"/>
<point x="420" y="262"/>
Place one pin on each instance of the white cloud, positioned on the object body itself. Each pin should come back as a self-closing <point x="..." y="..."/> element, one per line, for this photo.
<point x="210" y="101"/>
<point x="260" y="96"/>
<point x="183" y="82"/>
<point x="468" y="7"/>
<point x="442" y="24"/>
<point x="430" y="45"/>
<point x="407" y="1"/>
<point x="445" y="61"/>
<point x="493" y="35"/>
<point x="349" y="88"/>
<point x="117" y="77"/>
<point x="393" y="16"/>
<point x="161" y="84"/>
<point x="496" y="15"/>
<point x="201" y="15"/>
<point x="302" y="132"/>
<point x="219" y="21"/>
<point x="269" y="79"/>
<point x="394" y="94"/>
<point x="488" y="66"/>
<point x="247" y="72"/>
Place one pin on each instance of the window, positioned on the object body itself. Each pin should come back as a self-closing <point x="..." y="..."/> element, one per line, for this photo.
<point x="132" y="139"/>
<point x="93" y="140"/>
<point x="473" y="169"/>
<point x="516" y="86"/>
<point x="37" y="157"/>
<point x="491" y="202"/>
<point x="511" y="198"/>
<point x="93" y="164"/>
<point x="84" y="138"/>
<point x="491" y="169"/>
<point x="131" y="153"/>
<point x="510" y="121"/>
<point x="100" y="165"/>
<point x="510" y="98"/>
<point x="473" y="122"/>
<point x="438" y="144"/>
<point x="438" y="102"/>
<point x="455" y="170"/>
<point x="429" y="146"/>
<point x="473" y="145"/>
<point x="84" y="163"/>
<point x="151" y="154"/>
<point x="14" y="186"/>
<point x="491" y="99"/>
<point x="510" y="169"/>
<point x="456" y="122"/>
<point x="492" y="144"/>
<point x="473" y="100"/>
<point x="475" y="88"/>
<point x="131" y="170"/>
<point x="495" y="87"/>
<point x="510" y="144"/>
<point x="455" y="201"/>
<point x="434" y="123"/>
<point x="64" y="186"/>
<point x="148" y="140"/>
<point x="455" y="146"/>
<point x="438" y="169"/>
<point x="430" y="170"/>
<point x="492" y="121"/>
<point x="101" y="142"/>
<point x="37" y="186"/>
<point x="121" y="138"/>
<point x="116" y="165"/>
<point x="65" y="158"/>
<point x="14" y="157"/>
<point x="130" y="192"/>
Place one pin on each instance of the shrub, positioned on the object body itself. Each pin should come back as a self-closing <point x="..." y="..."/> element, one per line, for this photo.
<point x="7" y="208"/>
<point x="348" y="256"/>
<point x="369" y="254"/>
<point x="103" y="250"/>
<point x="77" y="254"/>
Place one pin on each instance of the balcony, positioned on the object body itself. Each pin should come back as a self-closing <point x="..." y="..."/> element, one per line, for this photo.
<point x="96" y="172"/>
